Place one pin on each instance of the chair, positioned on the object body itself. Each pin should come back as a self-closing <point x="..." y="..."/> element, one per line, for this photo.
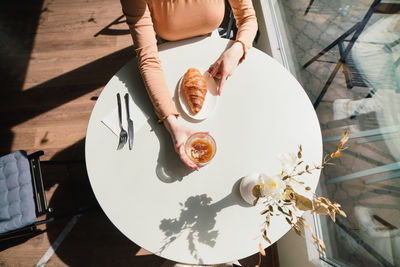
<point x="374" y="235"/>
<point x="22" y="195"/>
<point x="228" y="29"/>
<point x="373" y="58"/>
<point x="378" y="6"/>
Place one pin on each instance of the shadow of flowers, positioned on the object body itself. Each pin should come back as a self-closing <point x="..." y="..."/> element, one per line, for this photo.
<point x="198" y="218"/>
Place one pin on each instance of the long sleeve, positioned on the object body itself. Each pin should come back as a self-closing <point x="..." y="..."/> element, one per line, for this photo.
<point x="246" y="21"/>
<point x="141" y="26"/>
<point x="175" y="20"/>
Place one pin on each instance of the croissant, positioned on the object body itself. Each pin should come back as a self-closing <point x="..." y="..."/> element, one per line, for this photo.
<point x="194" y="87"/>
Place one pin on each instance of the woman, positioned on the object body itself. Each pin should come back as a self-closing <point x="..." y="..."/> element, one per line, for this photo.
<point x="180" y="19"/>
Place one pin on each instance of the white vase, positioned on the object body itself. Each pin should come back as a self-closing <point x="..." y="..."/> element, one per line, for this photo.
<point x="247" y="184"/>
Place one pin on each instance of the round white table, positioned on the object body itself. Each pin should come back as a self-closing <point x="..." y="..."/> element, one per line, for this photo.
<point x="199" y="216"/>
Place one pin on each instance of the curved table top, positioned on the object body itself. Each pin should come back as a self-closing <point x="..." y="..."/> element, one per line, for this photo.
<point x="198" y="216"/>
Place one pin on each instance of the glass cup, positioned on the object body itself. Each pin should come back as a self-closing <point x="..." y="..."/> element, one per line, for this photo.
<point x="200" y="148"/>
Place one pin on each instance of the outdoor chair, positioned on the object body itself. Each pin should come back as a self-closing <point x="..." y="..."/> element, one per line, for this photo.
<point x="377" y="57"/>
<point x="22" y="195"/>
<point x="345" y="46"/>
<point x="374" y="235"/>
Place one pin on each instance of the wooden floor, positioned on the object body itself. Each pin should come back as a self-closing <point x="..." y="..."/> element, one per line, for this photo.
<point x="53" y="67"/>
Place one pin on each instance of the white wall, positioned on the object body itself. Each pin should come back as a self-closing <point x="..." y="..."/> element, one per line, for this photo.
<point x="263" y="41"/>
<point x="292" y="251"/>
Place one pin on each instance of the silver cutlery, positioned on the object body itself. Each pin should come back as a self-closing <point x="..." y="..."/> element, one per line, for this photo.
<point x="123" y="135"/>
<point x="130" y="122"/>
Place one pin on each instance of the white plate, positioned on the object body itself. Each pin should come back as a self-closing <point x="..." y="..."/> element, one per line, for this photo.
<point x="210" y="101"/>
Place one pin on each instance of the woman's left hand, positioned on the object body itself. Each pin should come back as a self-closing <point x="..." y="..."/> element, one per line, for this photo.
<point x="226" y="64"/>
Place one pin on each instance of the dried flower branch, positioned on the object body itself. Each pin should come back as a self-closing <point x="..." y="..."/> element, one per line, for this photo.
<point x="290" y="202"/>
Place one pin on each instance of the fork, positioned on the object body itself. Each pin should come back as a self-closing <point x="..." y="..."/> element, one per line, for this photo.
<point x="123" y="135"/>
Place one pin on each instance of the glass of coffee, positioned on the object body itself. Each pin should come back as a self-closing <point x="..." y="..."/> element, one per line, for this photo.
<point x="200" y="148"/>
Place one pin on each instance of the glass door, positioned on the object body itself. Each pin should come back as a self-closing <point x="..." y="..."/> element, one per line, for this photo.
<point x="354" y="85"/>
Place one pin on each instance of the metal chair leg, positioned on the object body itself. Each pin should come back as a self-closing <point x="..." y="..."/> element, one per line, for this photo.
<point x="308" y="7"/>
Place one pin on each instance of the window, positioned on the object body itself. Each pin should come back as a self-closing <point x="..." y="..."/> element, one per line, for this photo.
<point x="359" y="77"/>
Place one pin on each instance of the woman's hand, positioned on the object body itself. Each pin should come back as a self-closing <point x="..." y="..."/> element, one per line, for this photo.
<point x="226" y="64"/>
<point x="179" y="135"/>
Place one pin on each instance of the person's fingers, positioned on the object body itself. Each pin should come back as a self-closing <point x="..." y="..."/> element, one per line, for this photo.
<point x="218" y="75"/>
<point x="215" y="69"/>
<point x="189" y="163"/>
<point x="176" y="149"/>
<point x="185" y="159"/>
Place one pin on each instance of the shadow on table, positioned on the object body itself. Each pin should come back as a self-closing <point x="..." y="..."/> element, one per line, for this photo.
<point x="169" y="166"/>
<point x="197" y="220"/>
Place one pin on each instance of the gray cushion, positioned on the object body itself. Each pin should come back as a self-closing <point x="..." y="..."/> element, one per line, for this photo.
<point x="17" y="205"/>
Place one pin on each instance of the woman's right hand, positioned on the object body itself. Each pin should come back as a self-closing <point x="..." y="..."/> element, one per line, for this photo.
<point x="226" y="64"/>
<point x="179" y="135"/>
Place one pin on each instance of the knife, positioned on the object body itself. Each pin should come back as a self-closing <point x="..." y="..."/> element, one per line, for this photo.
<point x="130" y="122"/>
